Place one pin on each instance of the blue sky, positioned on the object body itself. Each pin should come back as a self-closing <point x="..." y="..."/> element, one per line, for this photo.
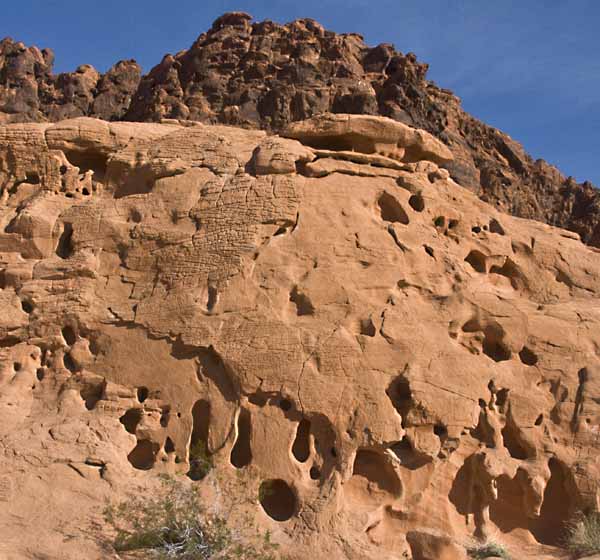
<point x="528" y="67"/>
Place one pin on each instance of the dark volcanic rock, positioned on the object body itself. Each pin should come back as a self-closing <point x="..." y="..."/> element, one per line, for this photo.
<point x="266" y="75"/>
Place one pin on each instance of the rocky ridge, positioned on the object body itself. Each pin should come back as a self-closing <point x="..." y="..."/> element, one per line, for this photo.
<point x="266" y="75"/>
<point x="404" y="367"/>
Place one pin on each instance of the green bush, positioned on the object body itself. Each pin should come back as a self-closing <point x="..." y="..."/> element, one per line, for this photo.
<point x="583" y="535"/>
<point x="200" y="461"/>
<point x="173" y="525"/>
<point x="488" y="550"/>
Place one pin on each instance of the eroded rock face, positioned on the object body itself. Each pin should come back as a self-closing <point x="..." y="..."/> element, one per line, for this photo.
<point x="403" y="367"/>
<point x="266" y="75"/>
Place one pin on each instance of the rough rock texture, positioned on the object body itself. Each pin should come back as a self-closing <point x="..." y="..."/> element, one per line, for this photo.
<point x="404" y="366"/>
<point x="266" y="75"/>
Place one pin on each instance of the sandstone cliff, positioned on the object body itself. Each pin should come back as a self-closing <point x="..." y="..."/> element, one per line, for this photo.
<point x="265" y="75"/>
<point x="328" y="313"/>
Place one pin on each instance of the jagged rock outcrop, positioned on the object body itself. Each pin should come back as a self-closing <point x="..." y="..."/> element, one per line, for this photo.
<point x="405" y="367"/>
<point x="266" y="75"/>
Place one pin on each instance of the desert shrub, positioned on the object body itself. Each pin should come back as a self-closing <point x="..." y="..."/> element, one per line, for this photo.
<point x="488" y="550"/>
<point x="200" y="461"/>
<point x="174" y="525"/>
<point x="583" y="535"/>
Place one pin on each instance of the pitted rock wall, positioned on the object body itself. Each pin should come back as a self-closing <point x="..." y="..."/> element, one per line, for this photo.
<point x="404" y="367"/>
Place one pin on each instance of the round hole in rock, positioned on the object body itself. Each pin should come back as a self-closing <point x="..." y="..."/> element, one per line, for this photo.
<point x="135" y="216"/>
<point x="417" y="203"/>
<point x="17" y="366"/>
<point x="277" y="499"/>
<point x="528" y="357"/>
<point x="315" y="473"/>
<point x="143" y="455"/>
<point x="131" y="419"/>
<point x="142" y="394"/>
<point x="27" y="306"/>
<point x="40" y="374"/>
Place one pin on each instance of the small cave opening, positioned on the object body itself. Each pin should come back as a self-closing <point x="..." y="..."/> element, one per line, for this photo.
<point x="69" y="363"/>
<point x="367" y="327"/>
<point x="528" y="356"/>
<point x="391" y="210"/>
<point x="165" y="415"/>
<point x="285" y="404"/>
<point x="477" y="260"/>
<point x="131" y="419"/>
<point x="277" y="499"/>
<point x="440" y="222"/>
<point x="27" y="306"/>
<point x="301" y="445"/>
<point x="493" y="345"/>
<point x="68" y="334"/>
<point x="212" y="297"/>
<point x="169" y="446"/>
<point x="142" y="394"/>
<point x="417" y="202"/>
<point x="401" y="396"/>
<point x="64" y="247"/>
<point x="199" y="456"/>
<point x="241" y="453"/>
<point x="315" y="473"/>
<point x="302" y="302"/>
<point x="143" y="455"/>
<point x="91" y="394"/>
<point x="496" y="227"/>
<point x="558" y="506"/>
<point x="513" y="441"/>
<point x="377" y="474"/>
<point x="88" y="161"/>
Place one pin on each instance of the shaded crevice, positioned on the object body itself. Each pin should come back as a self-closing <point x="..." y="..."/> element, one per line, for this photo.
<point x="64" y="248"/>
<point x="199" y="454"/>
<point x="241" y="453"/>
<point x="301" y="445"/>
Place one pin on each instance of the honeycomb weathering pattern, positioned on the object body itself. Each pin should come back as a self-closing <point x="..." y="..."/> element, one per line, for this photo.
<point x="401" y="365"/>
<point x="267" y="75"/>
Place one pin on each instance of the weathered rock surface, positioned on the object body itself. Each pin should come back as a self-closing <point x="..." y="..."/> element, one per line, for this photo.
<point x="266" y="75"/>
<point x="405" y="366"/>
